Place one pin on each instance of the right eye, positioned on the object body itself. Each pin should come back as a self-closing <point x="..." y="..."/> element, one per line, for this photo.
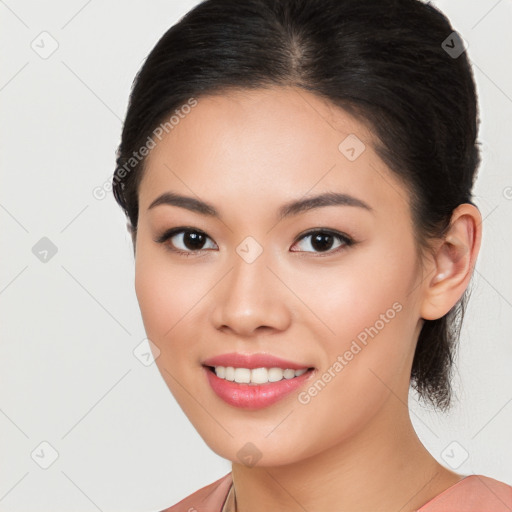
<point x="187" y="241"/>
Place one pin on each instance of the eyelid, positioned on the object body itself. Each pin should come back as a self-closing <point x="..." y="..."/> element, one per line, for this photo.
<point x="168" y="233"/>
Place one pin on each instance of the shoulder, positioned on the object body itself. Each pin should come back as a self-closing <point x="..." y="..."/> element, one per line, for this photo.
<point x="474" y="493"/>
<point x="207" y="499"/>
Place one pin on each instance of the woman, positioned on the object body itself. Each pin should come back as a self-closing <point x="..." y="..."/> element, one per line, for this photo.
<point x="297" y="176"/>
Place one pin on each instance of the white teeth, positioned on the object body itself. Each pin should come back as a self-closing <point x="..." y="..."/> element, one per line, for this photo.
<point x="242" y="375"/>
<point x="230" y="373"/>
<point x="259" y="375"/>
<point x="275" y="374"/>
<point x="256" y="375"/>
<point x="289" y="374"/>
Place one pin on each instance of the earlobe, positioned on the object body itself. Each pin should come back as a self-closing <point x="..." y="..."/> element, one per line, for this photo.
<point x="453" y="263"/>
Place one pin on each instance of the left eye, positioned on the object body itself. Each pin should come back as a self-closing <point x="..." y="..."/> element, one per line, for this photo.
<point x="322" y="241"/>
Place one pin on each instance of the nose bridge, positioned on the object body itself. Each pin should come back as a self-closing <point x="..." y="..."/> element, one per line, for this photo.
<point x="251" y="295"/>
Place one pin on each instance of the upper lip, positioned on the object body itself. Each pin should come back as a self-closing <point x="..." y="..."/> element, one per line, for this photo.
<point x="252" y="361"/>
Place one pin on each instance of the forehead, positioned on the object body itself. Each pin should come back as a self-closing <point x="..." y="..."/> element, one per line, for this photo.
<point x="268" y="146"/>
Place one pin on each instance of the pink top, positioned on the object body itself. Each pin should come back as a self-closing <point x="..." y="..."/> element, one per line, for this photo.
<point x="474" y="493"/>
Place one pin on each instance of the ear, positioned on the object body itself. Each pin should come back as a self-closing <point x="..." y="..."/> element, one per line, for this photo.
<point x="453" y="263"/>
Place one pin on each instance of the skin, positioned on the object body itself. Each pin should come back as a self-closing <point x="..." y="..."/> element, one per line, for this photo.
<point x="353" y="446"/>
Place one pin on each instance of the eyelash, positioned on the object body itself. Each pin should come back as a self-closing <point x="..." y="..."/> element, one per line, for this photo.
<point x="347" y="241"/>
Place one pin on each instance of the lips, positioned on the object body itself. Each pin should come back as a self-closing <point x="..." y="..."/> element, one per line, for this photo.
<point x="254" y="395"/>
<point x="252" y="361"/>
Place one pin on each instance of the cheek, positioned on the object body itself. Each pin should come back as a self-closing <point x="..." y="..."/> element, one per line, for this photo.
<point x="364" y="316"/>
<point x="162" y="289"/>
<point x="166" y="297"/>
<point x="161" y="294"/>
<point x="364" y="290"/>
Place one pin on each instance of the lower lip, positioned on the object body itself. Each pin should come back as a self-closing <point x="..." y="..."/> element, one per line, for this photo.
<point x="253" y="396"/>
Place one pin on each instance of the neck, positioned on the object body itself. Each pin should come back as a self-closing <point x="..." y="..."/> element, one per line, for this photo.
<point x="385" y="467"/>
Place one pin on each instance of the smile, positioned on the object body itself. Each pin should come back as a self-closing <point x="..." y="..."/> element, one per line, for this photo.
<point x="256" y="376"/>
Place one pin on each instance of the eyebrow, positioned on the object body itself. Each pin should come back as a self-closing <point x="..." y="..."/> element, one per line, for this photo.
<point x="287" y="210"/>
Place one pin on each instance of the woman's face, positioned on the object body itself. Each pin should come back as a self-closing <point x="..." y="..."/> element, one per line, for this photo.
<point x="260" y="283"/>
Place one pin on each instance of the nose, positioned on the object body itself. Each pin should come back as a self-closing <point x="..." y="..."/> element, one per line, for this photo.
<point x="251" y="299"/>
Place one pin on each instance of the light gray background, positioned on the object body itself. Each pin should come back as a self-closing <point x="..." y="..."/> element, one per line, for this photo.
<point x="69" y="326"/>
